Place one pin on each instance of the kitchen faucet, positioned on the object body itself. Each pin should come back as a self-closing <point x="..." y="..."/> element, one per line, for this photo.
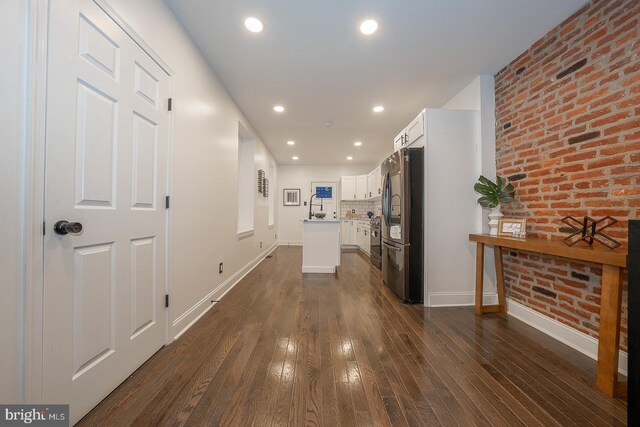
<point x="311" y="204"/>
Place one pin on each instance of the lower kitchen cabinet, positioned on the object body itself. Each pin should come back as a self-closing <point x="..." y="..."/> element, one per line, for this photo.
<point x="363" y="238"/>
<point x="348" y="233"/>
<point x="356" y="233"/>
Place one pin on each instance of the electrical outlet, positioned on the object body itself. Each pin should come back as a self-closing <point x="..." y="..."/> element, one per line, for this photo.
<point x="260" y="244"/>
<point x="220" y="268"/>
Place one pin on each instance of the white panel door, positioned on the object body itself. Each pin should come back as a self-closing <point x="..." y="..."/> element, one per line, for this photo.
<point x="328" y="205"/>
<point x="106" y="168"/>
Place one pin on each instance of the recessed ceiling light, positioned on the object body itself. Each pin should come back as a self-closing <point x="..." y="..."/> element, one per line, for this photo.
<point x="369" y="26"/>
<point x="278" y="108"/>
<point x="295" y="157"/>
<point x="349" y="158"/>
<point x="378" y="109"/>
<point x="253" y="24"/>
<point x="357" y="143"/>
<point x="291" y="143"/>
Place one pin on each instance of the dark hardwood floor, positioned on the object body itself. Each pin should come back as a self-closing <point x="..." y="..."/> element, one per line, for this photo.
<point x="286" y="349"/>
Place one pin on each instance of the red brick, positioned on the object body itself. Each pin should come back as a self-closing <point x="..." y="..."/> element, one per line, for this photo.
<point x="598" y="176"/>
<point x="625" y="192"/>
<point x="568" y="290"/>
<point x="621" y="149"/>
<point x="589" y="307"/>
<point x="609" y="120"/>
<point x="624" y="126"/>
<point x="580" y="156"/>
<point x="557" y="312"/>
<point x="608" y="161"/>
<point x="571" y="283"/>
<point x="592" y="115"/>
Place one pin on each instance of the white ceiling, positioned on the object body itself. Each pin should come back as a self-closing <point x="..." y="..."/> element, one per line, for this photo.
<point x="312" y="59"/>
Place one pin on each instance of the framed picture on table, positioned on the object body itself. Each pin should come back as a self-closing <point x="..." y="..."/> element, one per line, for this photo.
<point x="291" y="197"/>
<point x="512" y="227"/>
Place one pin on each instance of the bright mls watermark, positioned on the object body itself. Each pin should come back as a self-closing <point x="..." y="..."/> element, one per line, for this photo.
<point x="36" y="415"/>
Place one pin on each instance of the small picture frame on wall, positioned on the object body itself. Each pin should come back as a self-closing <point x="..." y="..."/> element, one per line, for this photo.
<point x="291" y="197"/>
<point x="512" y="227"/>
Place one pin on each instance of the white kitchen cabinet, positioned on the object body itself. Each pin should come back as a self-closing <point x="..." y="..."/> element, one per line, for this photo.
<point x="374" y="183"/>
<point x="363" y="239"/>
<point x="345" y="232"/>
<point x="415" y="129"/>
<point x="348" y="188"/>
<point x="361" y="187"/>
<point x="371" y="179"/>
<point x="353" y="238"/>
<point x="399" y="141"/>
<point x="348" y="231"/>
<point x="359" y="235"/>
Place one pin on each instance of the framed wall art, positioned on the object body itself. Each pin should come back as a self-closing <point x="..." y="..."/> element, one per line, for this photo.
<point x="291" y="197"/>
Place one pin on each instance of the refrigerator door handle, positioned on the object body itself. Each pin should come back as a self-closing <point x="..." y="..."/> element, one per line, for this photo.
<point x="393" y="248"/>
<point x="389" y="190"/>
<point x="384" y="199"/>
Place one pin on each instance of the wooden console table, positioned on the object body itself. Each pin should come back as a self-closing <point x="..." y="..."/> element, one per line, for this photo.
<point x="613" y="261"/>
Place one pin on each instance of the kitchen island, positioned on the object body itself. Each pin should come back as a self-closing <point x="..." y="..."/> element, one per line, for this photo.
<point x="320" y="246"/>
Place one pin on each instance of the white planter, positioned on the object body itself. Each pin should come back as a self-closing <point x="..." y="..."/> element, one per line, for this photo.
<point x="494" y="217"/>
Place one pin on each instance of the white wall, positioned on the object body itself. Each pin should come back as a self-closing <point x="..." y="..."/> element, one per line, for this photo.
<point x="294" y="176"/>
<point x="479" y="95"/>
<point x="204" y="195"/>
<point x="13" y="16"/>
<point x="205" y="168"/>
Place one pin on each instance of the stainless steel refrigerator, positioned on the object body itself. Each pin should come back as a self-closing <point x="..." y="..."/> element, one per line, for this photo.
<point x="402" y="224"/>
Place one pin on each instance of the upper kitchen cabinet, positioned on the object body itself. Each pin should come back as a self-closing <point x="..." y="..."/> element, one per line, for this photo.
<point x="374" y="183"/>
<point x="415" y="129"/>
<point x="399" y="141"/>
<point x="348" y="188"/>
<point x="410" y="134"/>
<point x="361" y="187"/>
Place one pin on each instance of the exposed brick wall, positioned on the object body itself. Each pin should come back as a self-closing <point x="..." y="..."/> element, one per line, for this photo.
<point x="568" y="136"/>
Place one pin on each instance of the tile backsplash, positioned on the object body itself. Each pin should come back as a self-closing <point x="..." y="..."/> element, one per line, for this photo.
<point x="361" y="208"/>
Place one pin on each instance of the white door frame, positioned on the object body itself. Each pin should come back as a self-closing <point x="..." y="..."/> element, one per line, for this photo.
<point x="35" y="114"/>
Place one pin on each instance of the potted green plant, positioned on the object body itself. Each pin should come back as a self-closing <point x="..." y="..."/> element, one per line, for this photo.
<point x="492" y="195"/>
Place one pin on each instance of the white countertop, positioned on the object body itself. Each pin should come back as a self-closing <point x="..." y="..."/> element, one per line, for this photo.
<point x="321" y="220"/>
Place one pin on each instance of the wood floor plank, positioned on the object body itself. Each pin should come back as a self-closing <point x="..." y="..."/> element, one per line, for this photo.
<point x="286" y="348"/>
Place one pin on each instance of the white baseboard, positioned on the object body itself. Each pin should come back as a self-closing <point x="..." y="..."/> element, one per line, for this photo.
<point x="192" y="315"/>
<point x="452" y="299"/>
<point x="575" y="339"/>
<point x="316" y="269"/>
<point x="290" y="243"/>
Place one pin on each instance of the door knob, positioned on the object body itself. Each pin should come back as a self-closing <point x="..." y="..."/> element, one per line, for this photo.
<point x="65" y="227"/>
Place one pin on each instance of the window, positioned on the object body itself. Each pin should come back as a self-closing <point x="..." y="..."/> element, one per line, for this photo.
<point x="246" y="196"/>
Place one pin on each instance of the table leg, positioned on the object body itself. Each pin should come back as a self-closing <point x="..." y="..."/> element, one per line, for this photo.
<point x="502" y="299"/>
<point x="609" y="332"/>
<point x="479" y="276"/>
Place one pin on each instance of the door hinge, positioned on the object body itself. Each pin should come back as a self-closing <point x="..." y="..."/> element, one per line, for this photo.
<point x="167" y="202"/>
<point x="170" y="104"/>
<point x="44" y="228"/>
<point x="166" y="301"/>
